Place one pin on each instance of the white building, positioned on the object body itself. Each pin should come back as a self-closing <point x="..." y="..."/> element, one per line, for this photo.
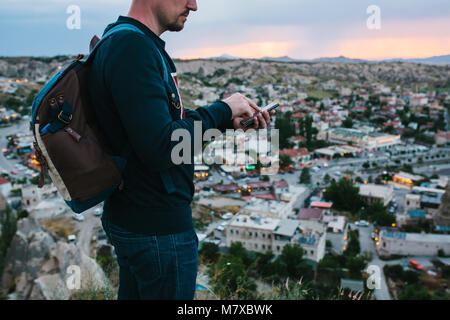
<point x="5" y="187"/>
<point x="373" y="192"/>
<point x="290" y="198"/>
<point x="255" y="233"/>
<point x="416" y="244"/>
<point x="272" y="234"/>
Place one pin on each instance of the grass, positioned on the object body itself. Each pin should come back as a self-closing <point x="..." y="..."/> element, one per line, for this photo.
<point x="62" y="226"/>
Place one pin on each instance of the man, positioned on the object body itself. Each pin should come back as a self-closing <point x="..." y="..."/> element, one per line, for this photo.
<point x="149" y="221"/>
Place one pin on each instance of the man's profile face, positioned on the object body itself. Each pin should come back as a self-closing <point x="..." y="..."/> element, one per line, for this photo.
<point x="172" y="14"/>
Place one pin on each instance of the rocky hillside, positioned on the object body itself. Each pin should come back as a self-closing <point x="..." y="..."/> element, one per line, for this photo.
<point x="251" y="71"/>
<point x="37" y="262"/>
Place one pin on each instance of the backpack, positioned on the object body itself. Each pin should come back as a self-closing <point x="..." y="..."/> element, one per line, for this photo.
<point x="68" y="140"/>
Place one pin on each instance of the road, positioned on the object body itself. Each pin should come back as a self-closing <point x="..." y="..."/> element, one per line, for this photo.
<point x="86" y="229"/>
<point x="367" y="245"/>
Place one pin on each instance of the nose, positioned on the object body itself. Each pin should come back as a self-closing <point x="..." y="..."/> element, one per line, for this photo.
<point x="192" y="5"/>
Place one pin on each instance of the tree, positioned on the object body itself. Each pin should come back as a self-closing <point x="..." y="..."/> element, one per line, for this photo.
<point x="238" y="250"/>
<point x="353" y="247"/>
<point x="366" y="165"/>
<point x="285" y="161"/>
<point x="327" y="178"/>
<point x="414" y="292"/>
<point x="344" y="195"/>
<point x="209" y="250"/>
<point x="292" y="257"/>
<point x="377" y="213"/>
<point x="347" y="123"/>
<point x="229" y="279"/>
<point x="305" y="176"/>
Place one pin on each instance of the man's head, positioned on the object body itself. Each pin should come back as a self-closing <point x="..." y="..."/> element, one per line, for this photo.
<point x="163" y="15"/>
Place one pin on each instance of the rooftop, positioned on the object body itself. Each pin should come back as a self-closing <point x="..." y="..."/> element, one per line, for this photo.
<point x="320" y="204"/>
<point x="310" y="213"/>
<point x="286" y="227"/>
<point x="376" y="191"/>
<point x="417" y="237"/>
<point x="416" y="213"/>
<point x="245" y="221"/>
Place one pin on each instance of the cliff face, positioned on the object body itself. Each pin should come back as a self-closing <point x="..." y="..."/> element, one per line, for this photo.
<point x="442" y="218"/>
<point x="37" y="265"/>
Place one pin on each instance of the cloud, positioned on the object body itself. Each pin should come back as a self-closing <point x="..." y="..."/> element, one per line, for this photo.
<point x="299" y="28"/>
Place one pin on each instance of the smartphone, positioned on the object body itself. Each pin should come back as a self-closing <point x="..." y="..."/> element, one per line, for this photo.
<point x="268" y="108"/>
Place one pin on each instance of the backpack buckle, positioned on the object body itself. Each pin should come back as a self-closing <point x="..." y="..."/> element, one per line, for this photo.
<point x="68" y="118"/>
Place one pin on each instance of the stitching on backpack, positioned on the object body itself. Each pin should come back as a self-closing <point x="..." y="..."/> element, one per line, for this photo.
<point x="56" y="178"/>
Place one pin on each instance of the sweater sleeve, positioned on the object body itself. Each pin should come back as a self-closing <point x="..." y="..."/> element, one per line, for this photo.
<point x="134" y="76"/>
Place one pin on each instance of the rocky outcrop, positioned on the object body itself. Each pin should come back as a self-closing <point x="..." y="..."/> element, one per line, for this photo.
<point x="40" y="265"/>
<point x="442" y="217"/>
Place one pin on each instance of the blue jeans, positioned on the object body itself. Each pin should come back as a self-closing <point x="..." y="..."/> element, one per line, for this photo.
<point x="154" y="267"/>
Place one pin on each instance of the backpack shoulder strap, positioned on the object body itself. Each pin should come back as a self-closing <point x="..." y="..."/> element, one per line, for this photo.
<point x="113" y="30"/>
<point x="122" y="27"/>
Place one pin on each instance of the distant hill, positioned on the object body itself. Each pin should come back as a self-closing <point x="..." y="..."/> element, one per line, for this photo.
<point x="436" y="60"/>
<point x="224" y="57"/>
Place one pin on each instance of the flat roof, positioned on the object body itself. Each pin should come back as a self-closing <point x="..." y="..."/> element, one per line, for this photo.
<point x="375" y="190"/>
<point x="418" y="237"/>
<point x="245" y="221"/>
<point x="310" y="213"/>
<point x="320" y="204"/>
<point x="286" y="227"/>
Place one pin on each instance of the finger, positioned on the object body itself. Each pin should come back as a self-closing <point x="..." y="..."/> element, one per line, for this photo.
<point x="262" y="122"/>
<point x="252" y="104"/>
<point x="266" y="117"/>
<point x="255" y="122"/>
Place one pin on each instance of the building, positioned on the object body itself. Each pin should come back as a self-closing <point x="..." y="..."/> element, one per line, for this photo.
<point x="380" y="141"/>
<point x="406" y="179"/>
<point x="255" y="233"/>
<point x="201" y="172"/>
<point x="442" y="138"/>
<point x="5" y="187"/>
<point x="310" y="214"/>
<point x="415" y="244"/>
<point x="283" y="207"/>
<point x="332" y="152"/>
<point x="370" y="193"/>
<point x="272" y="234"/>
<point x="411" y="202"/>
<point x="343" y="136"/>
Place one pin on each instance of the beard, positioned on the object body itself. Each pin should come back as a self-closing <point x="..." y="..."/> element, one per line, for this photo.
<point x="175" y="26"/>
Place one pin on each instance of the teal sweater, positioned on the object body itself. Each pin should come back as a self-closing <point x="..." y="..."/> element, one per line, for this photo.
<point x="134" y="106"/>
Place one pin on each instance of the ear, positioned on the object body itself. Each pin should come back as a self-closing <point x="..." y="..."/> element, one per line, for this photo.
<point x="93" y="43"/>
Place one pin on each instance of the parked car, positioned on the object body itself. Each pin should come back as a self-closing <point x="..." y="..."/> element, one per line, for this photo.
<point x="361" y="223"/>
<point x="415" y="265"/>
<point x="227" y="216"/>
<point x="78" y="217"/>
<point x="72" y="238"/>
<point x="98" y="212"/>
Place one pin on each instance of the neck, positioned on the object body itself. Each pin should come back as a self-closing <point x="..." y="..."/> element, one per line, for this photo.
<point x="147" y="19"/>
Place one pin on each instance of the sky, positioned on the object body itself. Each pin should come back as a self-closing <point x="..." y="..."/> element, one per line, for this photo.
<point x="301" y="29"/>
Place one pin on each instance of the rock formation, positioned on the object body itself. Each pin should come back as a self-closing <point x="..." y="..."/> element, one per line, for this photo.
<point x="38" y="265"/>
<point x="442" y="217"/>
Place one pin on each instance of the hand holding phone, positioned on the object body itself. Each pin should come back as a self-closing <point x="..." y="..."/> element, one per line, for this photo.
<point x="268" y="108"/>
